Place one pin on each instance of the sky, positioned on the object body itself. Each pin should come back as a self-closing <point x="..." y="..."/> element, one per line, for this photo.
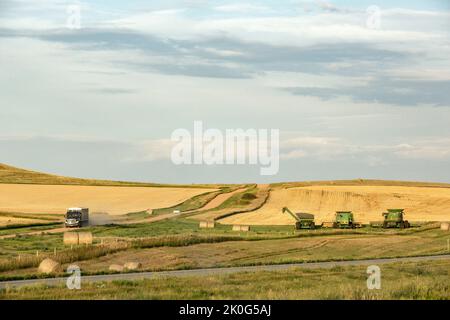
<point x="357" y="89"/>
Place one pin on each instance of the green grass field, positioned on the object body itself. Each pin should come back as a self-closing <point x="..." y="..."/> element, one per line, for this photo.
<point x="398" y="281"/>
<point x="181" y="244"/>
<point x="197" y="202"/>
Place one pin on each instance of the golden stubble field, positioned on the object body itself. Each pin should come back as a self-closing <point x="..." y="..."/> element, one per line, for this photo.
<point x="112" y="200"/>
<point x="367" y="202"/>
<point x="6" y="220"/>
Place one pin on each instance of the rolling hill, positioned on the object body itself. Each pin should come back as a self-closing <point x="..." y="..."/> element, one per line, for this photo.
<point x="421" y="201"/>
<point x="35" y="192"/>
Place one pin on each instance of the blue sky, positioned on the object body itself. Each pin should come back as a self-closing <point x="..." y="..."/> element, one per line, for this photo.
<point x="350" y="100"/>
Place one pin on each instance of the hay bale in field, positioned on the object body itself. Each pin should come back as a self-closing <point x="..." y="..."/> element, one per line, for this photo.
<point x="70" y="238"/>
<point x="132" y="265"/>
<point x="85" y="238"/>
<point x="241" y="228"/>
<point x="207" y="224"/>
<point x="116" y="268"/>
<point x="48" y="266"/>
<point x="445" y="226"/>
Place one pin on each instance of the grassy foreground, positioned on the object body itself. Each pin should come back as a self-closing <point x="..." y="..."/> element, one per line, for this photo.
<point x="426" y="280"/>
<point x="179" y="244"/>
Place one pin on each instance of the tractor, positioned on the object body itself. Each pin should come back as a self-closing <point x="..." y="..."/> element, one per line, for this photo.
<point x="394" y="218"/>
<point x="302" y="220"/>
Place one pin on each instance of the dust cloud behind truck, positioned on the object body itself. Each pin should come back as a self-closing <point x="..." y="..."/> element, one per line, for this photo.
<point x="77" y="217"/>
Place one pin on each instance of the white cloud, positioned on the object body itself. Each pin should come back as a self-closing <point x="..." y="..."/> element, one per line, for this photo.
<point x="301" y="30"/>
<point x="322" y="148"/>
<point x="310" y="142"/>
<point x="423" y="71"/>
<point x="223" y="53"/>
<point x="327" y="148"/>
<point x="242" y="8"/>
<point x="29" y="23"/>
<point x="151" y="150"/>
<point x="294" y="154"/>
<point x="429" y="149"/>
<point x="286" y="79"/>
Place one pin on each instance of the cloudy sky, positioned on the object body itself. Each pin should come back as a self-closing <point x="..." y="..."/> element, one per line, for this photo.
<point x="358" y="89"/>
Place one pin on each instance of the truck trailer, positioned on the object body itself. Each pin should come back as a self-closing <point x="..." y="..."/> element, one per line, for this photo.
<point x="77" y="217"/>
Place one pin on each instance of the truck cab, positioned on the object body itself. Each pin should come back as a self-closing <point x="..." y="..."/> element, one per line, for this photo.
<point x="76" y="217"/>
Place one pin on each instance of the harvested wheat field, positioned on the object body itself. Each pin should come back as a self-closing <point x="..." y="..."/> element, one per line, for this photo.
<point x="5" y="221"/>
<point x="367" y="202"/>
<point x="111" y="200"/>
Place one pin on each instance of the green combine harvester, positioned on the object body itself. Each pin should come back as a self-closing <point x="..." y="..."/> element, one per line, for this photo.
<point x="393" y="218"/>
<point x="343" y="219"/>
<point x="302" y="220"/>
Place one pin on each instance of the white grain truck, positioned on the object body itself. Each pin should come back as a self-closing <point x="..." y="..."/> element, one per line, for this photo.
<point x="77" y="217"/>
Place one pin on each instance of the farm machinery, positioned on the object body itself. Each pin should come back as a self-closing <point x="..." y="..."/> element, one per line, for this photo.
<point x="343" y="219"/>
<point x="77" y="217"/>
<point x="302" y="220"/>
<point x="393" y="218"/>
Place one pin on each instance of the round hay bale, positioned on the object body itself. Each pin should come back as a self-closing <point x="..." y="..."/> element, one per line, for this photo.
<point x="116" y="268"/>
<point x="132" y="265"/>
<point x="445" y="226"/>
<point x="70" y="238"/>
<point x="48" y="266"/>
<point x="85" y="237"/>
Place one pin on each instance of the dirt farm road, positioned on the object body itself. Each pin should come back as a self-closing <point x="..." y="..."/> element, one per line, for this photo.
<point x="217" y="271"/>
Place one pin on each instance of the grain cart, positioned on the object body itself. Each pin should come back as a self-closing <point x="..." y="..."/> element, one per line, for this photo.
<point x="343" y="219"/>
<point x="393" y="218"/>
<point x="302" y="220"/>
